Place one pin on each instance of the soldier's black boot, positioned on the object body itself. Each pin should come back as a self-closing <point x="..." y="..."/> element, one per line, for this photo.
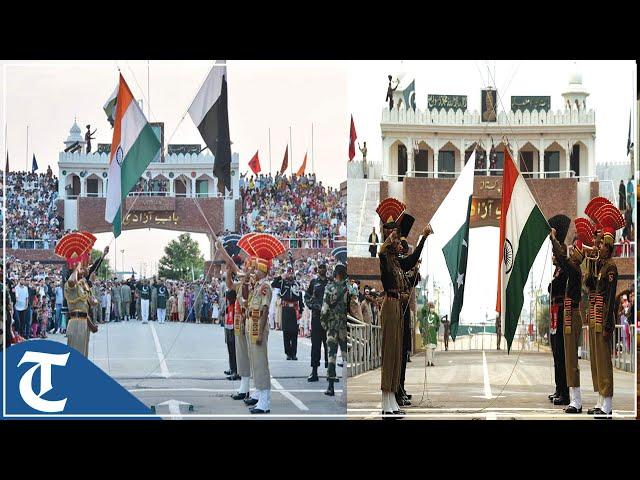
<point x="330" y="391"/>
<point x="314" y="375"/>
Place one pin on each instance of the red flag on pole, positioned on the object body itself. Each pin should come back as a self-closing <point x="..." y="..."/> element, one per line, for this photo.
<point x="302" y="168"/>
<point x="285" y="161"/>
<point x="352" y="140"/>
<point x="254" y="164"/>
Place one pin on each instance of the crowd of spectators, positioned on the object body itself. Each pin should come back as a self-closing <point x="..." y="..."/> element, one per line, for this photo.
<point x="293" y="208"/>
<point x="31" y="210"/>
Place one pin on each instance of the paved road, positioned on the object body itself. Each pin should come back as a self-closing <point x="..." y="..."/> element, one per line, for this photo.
<point x="185" y="363"/>
<point x="465" y="385"/>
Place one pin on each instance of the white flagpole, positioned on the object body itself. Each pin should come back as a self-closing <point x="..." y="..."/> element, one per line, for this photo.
<point x="27" y="148"/>
<point x="290" y="155"/>
<point x="312" y="169"/>
<point x="269" y="150"/>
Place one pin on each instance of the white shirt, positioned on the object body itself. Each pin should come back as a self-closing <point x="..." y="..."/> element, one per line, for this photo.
<point x="22" y="297"/>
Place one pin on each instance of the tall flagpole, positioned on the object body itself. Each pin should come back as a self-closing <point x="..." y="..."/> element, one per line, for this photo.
<point x="269" y="150"/>
<point x="148" y="94"/>
<point x="27" y="148"/>
<point x="290" y="155"/>
<point x="312" y="169"/>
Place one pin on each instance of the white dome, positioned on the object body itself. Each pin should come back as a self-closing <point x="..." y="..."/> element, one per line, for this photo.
<point x="575" y="77"/>
<point x="75" y="134"/>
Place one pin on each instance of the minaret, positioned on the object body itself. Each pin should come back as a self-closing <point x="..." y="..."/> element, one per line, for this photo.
<point x="575" y="96"/>
<point x="74" y="138"/>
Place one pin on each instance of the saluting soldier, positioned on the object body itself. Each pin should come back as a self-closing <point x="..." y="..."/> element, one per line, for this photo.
<point x="557" y="289"/>
<point x="75" y="248"/>
<point x="603" y="282"/>
<point x="242" y="287"/>
<point x="392" y="268"/>
<point x="292" y="306"/>
<point x="334" y="321"/>
<point x="314" y="299"/>
<point x="572" y="319"/>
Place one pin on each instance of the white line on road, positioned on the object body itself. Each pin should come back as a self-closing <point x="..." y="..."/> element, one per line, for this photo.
<point x="301" y="406"/>
<point x="164" y="370"/>
<point x="485" y="374"/>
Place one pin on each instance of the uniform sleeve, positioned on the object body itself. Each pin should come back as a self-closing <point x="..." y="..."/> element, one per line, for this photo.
<point x="611" y="284"/>
<point x="408" y="262"/>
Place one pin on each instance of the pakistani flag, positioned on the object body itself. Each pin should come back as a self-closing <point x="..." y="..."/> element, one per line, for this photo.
<point x="523" y="230"/>
<point x="451" y="230"/>
<point x="110" y="107"/>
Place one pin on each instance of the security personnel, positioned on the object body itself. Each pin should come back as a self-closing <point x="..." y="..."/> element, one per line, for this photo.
<point x="242" y="287"/>
<point x="334" y="321"/>
<point x="604" y="281"/>
<point x="392" y="268"/>
<point x="557" y="290"/>
<point x="292" y="306"/>
<point x="412" y="277"/>
<point x="571" y="316"/>
<point x="314" y="300"/>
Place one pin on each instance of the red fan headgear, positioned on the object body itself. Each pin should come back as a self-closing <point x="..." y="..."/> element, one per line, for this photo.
<point x="390" y="210"/>
<point x="611" y="220"/>
<point x="75" y="248"/>
<point x="263" y="247"/>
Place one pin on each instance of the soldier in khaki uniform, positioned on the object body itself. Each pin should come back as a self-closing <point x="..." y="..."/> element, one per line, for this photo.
<point x="603" y="282"/>
<point x="242" y="287"/>
<point x="263" y="248"/>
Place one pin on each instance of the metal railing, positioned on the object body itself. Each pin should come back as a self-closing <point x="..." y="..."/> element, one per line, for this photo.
<point x="310" y="242"/>
<point x="482" y="172"/>
<point x="364" y="346"/>
<point x="624" y="347"/>
<point x="154" y="194"/>
<point x="31" y="244"/>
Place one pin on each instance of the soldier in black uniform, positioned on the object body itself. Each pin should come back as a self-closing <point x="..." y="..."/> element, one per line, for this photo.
<point x="292" y="305"/>
<point x="412" y="277"/>
<point x="313" y="298"/>
<point x="557" y="289"/>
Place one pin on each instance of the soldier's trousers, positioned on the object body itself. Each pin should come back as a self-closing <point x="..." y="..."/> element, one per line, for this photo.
<point x="571" y="340"/>
<point x="230" y="340"/>
<point x="260" y="363"/>
<point x="290" y="331"/>
<point x="318" y="339"/>
<point x="601" y="366"/>
<point x="242" y="355"/>
<point x="560" y="372"/>
<point x="335" y="339"/>
<point x="391" y="344"/>
<point x="126" y="309"/>
<point x="406" y="342"/>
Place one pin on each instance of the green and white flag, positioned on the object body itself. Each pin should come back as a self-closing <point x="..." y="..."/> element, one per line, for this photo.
<point x="110" y="107"/>
<point x="450" y="225"/>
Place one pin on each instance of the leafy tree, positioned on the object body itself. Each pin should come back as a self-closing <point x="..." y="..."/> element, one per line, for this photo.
<point x="180" y="256"/>
<point x="104" y="271"/>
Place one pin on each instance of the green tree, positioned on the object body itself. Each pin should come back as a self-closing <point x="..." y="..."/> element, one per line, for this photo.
<point x="104" y="271"/>
<point x="180" y="256"/>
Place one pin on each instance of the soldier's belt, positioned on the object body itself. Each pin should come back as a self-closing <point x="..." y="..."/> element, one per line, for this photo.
<point x="554" y="310"/>
<point x="596" y="310"/>
<point x="568" y="315"/>
<point x="286" y="303"/>
<point x="255" y="324"/>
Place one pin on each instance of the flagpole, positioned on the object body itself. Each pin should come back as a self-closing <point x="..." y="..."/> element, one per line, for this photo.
<point x="312" y="169"/>
<point x="269" y="150"/>
<point x="27" y="148"/>
<point x="291" y="155"/>
<point x="148" y="93"/>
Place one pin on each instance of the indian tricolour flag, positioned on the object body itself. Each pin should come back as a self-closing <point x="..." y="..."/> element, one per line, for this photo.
<point x="450" y="226"/>
<point x="523" y="230"/>
<point x="133" y="147"/>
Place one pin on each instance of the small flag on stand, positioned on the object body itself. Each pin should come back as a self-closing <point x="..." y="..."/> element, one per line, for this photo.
<point x="352" y="140"/>
<point x="285" y="161"/>
<point x="302" y="168"/>
<point x="254" y="164"/>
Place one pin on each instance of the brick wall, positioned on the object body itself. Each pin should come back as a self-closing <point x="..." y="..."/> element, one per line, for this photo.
<point x="190" y="219"/>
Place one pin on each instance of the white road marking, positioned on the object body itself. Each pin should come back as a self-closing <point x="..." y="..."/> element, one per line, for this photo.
<point x="164" y="370"/>
<point x="485" y="374"/>
<point x="174" y="408"/>
<point x="301" y="406"/>
<point x="194" y="389"/>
